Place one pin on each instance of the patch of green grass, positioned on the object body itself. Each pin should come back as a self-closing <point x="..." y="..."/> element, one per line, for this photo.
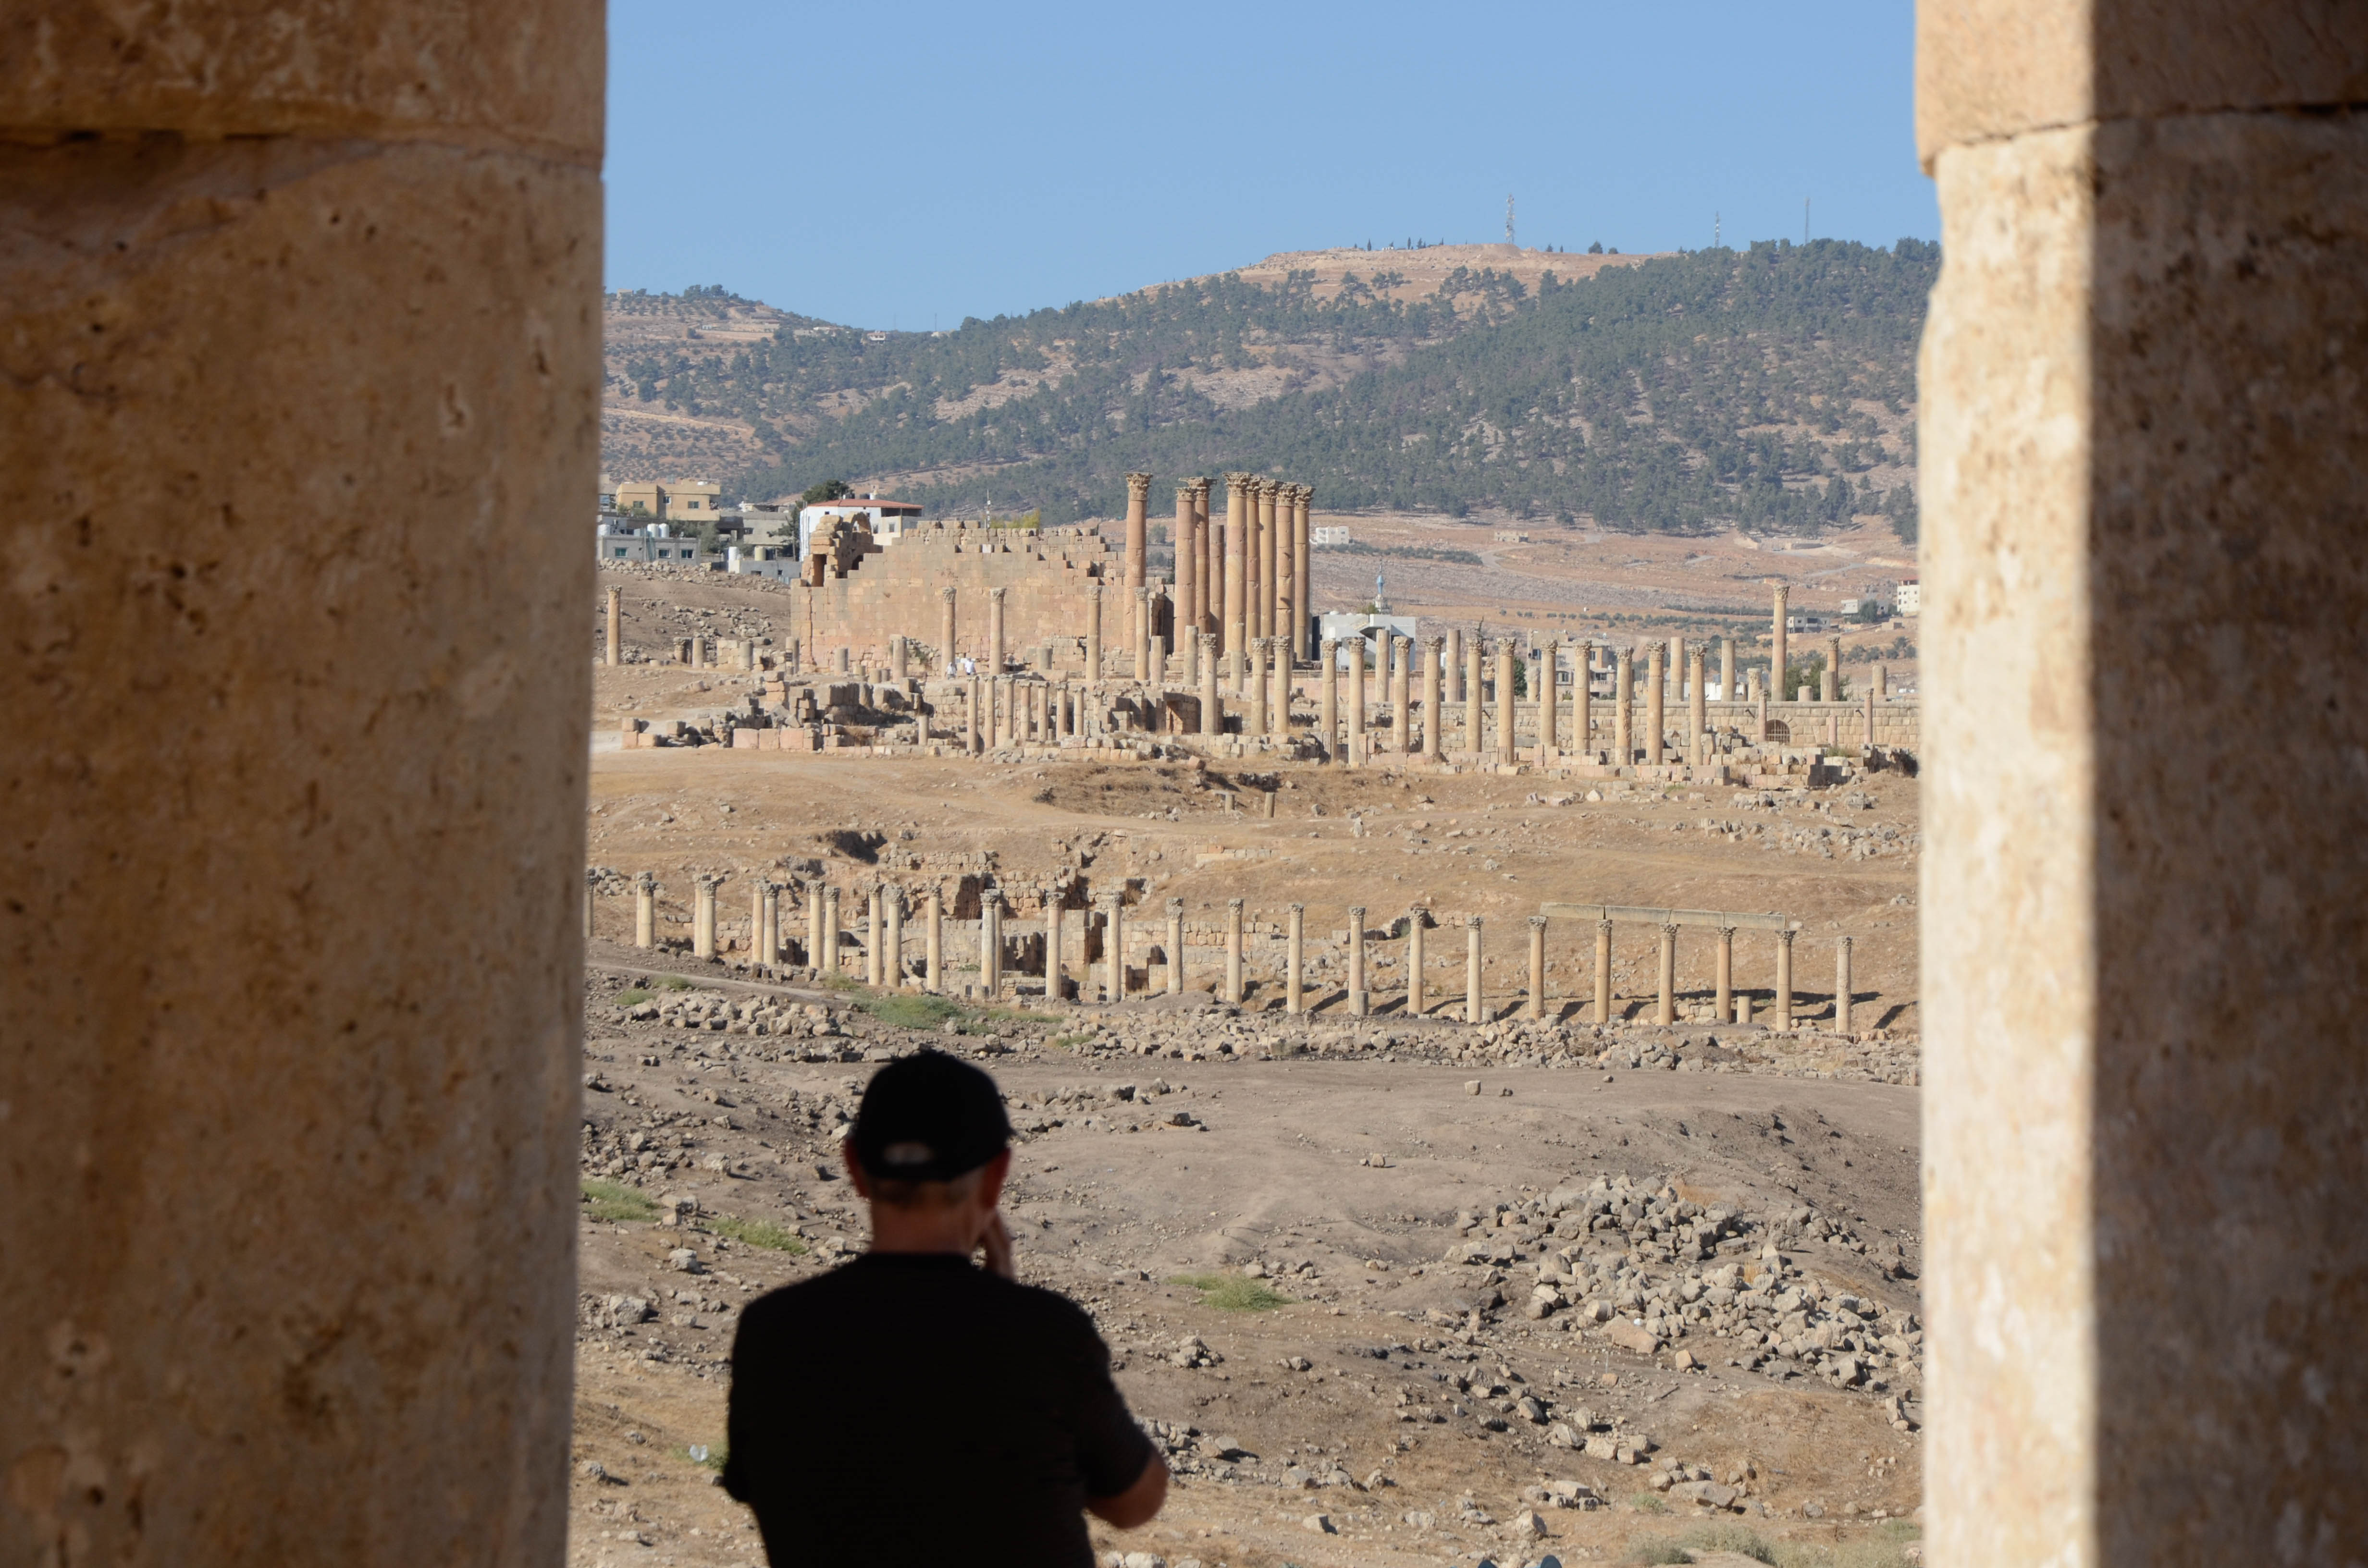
<point x="614" y="1200"/>
<point x="1726" y="1536"/>
<point x="1887" y="1548"/>
<point x="1657" y="1551"/>
<point x="839" y="979"/>
<point x="908" y="1011"/>
<point x="1652" y="1503"/>
<point x="1233" y="1292"/>
<point x="756" y="1234"/>
<point x="673" y="983"/>
<point x="632" y="998"/>
<point x="1069" y="1041"/>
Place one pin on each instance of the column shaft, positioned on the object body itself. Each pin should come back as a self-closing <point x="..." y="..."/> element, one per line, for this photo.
<point x="1508" y="709"/>
<point x="1417" y="993"/>
<point x="1537" y="966"/>
<point x="645" y="914"/>
<point x="1778" y="653"/>
<point x="1328" y="704"/>
<point x="1356" y="963"/>
<point x="1784" y="980"/>
<point x="1187" y="569"/>
<point x="1237" y="544"/>
<point x="1176" y="947"/>
<point x="1401" y="657"/>
<point x="703" y="919"/>
<point x="1548" y="692"/>
<point x="874" y="937"/>
<point x="616" y="627"/>
<point x="1354" y="751"/>
<point x="1623" y="709"/>
<point x="937" y="940"/>
<point x="1430" y="698"/>
<point x="1475" y="1007"/>
<point x="1602" y="971"/>
<point x="1474" y="706"/>
<point x="1294" y="1001"/>
<point x="827" y="961"/>
<point x="1114" y="952"/>
<point x="1842" y="986"/>
<point x="1655" y="720"/>
<point x="1667" y="1013"/>
<point x="1233" y="951"/>
<point x="893" y="960"/>
<point x="1723" y="1009"/>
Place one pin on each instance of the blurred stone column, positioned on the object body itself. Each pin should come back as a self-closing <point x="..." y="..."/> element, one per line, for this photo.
<point x="1268" y="495"/>
<point x="1668" y="1012"/>
<point x="768" y="924"/>
<point x="1454" y="663"/>
<point x="1187" y="565"/>
<point x="1286" y="571"/>
<point x="892" y="961"/>
<point x="1254" y="719"/>
<point x="1726" y="669"/>
<point x="898" y="667"/>
<point x="990" y="943"/>
<point x="1277" y="717"/>
<point x="1357" y="961"/>
<point x="646" y="911"/>
<point x="1417" y="993"/>
<point x="616" y="627"/>
<point x="874" y="936"/>
<point x="1475" y="1007"/>
<point x="1233" y="951"/>
<point x="1475" y="702"/>
<point x="828" y="961"/>
<point x="1537" y="966"/>
<point x="936" y="941"/>
<point x="1842" y="985"/>
<point x="1295" y="995"/>
<point x="1329" y="702"/>
<point x="1829" y="681"/>
<point x="1431" y="681"/>
<point x="1206" y="558"/>
<point x="1176" y="947"/>
<point x="814" y="925"/>
<point x="1602" y="971"/>
<point x="946" y="650"/>
<point x="1056" y="924"/>
<point x="1582" y="700"/>
<point x="1139" y="638"/>
<point x="702" y="916"/>
<point x="974" y="732"/>
<point x="1114" y="949"/>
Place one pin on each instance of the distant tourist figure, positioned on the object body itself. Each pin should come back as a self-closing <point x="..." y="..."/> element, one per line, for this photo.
<point x="913" y="1406"/>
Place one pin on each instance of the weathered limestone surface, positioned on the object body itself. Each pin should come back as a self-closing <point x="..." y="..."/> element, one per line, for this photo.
<point x="2143" y="429"/>
<point x="297" y="429"/>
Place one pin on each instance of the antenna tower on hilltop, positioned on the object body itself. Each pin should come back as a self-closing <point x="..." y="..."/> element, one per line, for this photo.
<point x="1508" y="218"/>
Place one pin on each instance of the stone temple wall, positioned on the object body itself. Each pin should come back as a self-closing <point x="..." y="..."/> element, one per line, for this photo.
<point x="896" y="591"/>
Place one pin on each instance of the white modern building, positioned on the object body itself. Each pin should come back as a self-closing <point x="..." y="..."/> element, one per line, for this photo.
<point x="779" y="561"/>
<point x="1320" y="538"/>
<point x="886" y="519"/>
<point x="657" y="541"/>
<point x="1911" y="597"/>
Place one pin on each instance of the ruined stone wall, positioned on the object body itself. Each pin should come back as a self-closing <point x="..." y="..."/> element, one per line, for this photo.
<point x="894" y="592"/>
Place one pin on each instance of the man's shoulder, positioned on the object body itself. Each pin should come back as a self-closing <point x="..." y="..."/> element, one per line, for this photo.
<point x="1033" y="1305"/>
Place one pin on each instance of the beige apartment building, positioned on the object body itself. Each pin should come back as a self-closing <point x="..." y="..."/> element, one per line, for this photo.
<point x="684" y="501"/>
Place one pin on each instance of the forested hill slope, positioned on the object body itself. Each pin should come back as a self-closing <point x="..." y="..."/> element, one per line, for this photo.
<point x="1771" y="388"/>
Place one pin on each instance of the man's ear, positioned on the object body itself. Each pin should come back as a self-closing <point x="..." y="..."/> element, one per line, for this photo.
<point x="855" y="1169"/>
<point x="991" y="1179"/>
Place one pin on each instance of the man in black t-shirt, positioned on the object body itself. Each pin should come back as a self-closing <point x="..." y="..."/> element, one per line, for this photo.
<point x="911" y="1403"/>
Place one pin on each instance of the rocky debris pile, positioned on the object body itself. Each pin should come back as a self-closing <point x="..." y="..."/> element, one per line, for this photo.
<point x="1828" y="841"/>
<point x="1632" y="1274"/>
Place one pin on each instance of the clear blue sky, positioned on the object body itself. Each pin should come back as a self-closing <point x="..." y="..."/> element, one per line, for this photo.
<point x="908" y="164"/>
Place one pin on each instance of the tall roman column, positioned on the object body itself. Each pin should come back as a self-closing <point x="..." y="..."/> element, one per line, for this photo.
<point x="1188" y="563"/>
<point x="702" y="916"/>
<point x="1508" y="708"/>
<point x="645" y="910"/>
<point x="1549" y="691"/>
<point x="1269" y="493"/>
<point x="260" y="265"/>
<point x="1138" y="497"/>
<point x="1303" y="539"/>
<point x="1777" y="655"/>
<point x="1474" y="1008"/>
<point x="1842" y="985"/>
<point x="1697" y="711"/>
<point x="1401" y="658"/>
<point x="1725" y="1007"/>
<point x="1233" y="951"/>
<point x="1784" y="979"/>
<point x="616" y="627"/>
<point x="1238" y="510"/>
<point x="937" y="940"/>
<point x="1667" y="1013"/>
<point x="1329" y="702"/>
<point x="1294" y="981"/>
<point x="1286" y="571"/>
<point x="1416" y="996"/>
<point x="1454" y="663"/>
<point x="1474" y="707"/>
<point x="1830" y="684"/>
<point x="1093" y="634"/>
<point x="1213" y="715"/>
<point x="1655" y="721"/>
<point x="1430" y="698"/>
<point x="1871" y="688"/>
<point x="946" y="650"/>
<point x="1582" y="700"/>
<point x="995" y="633"/>
<point x="1355" y="748"/>
<point x="1604" y="972"/>
<point x="1114" y="949"/>
<point x="1537" y="966"/>
<point x="1207" y="559"/>
<point x="1623" y="709"/>
<point x="1357" y="961"/>
<point x="1176" y="947"/>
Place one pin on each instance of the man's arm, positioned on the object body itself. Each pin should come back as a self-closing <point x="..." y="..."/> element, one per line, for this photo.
<point x="1140" y="1502"/>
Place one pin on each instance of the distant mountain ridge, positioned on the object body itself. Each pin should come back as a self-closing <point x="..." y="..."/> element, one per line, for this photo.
<point x="1769" y="388"/>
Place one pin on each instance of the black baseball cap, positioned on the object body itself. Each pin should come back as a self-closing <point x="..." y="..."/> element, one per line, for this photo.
<point x="927" y="1117"/>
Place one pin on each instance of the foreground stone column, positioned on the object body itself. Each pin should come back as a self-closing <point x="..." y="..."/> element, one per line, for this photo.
<point x="1237" y="543"/>
<point x="1431" y="673"/>
<point x="1176" y="947"/>
<point x="1093" y="634"/>
<point x="616" y="627"/>
<point x="1668" y="1011"/>
<point x="1537" y="966"/>
<point x="1623" y="709"/>
<point x="1602" y="971"/>
<point x="1724" y="1008"/>
<point x="1784" y="979"/>
<point x="1474" y="706"/>
<point x="702" y="917"/>
<point x="1354" y="750"/>
<point x="1233" y="951"/>
<point x="1212" y="717"/>
<point x="1138" y="497"/>
<point x="1778" y="655"/>
<point x="1294" y="993"/>
<point x="936" y="941"/>
<point x="1417" y="993"/>
<point x="1329" y="702"/>
<point x="1842" y="985"/>
<point x="1278" y="713"/>
<point x="299" y="422"/>
<point x="828" y="959"/>
<point x="1655" y="718"/>
<point x="645" y="910"/>
<point x="1357" y="961"/>
<point x="1475" y="1009"/>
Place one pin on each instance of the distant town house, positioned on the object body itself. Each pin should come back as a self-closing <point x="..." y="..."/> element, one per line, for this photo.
<point x="683" y="501"/>
<point x="887" y="520"/>
<point x="1322" y="537"/>
<point x="618" y="539"/>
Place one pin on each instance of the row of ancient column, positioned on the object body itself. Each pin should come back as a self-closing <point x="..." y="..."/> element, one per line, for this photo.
<point x="888" y="905"/>
<point x="1250" y="584"/>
